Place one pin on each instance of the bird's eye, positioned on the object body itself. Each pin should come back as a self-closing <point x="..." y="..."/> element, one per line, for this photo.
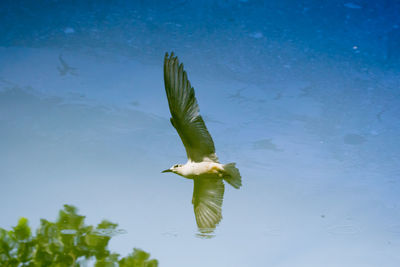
<point x="176" y="165"/>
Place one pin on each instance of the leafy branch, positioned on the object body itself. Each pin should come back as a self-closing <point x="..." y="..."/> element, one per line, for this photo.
<point x="66" y="242"/>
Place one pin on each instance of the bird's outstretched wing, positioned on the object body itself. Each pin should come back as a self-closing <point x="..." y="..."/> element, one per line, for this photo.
<point x="208" y="195"/>
<point x="185" y="112"/>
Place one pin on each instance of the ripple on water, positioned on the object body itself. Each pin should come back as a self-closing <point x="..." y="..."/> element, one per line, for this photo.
<point x="99" y="232"/>
<point x="353" y="139"/>
<point x="395" y="229"/>
<point x="170" y="233"/>
<point x="344" y="229"/>
<point x="205" y="233"/>
<point x="109" y="232"/>
<point x="68" y="231"/>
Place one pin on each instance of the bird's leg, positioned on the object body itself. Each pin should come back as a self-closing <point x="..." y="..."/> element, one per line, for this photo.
<point x="221" y="173"/>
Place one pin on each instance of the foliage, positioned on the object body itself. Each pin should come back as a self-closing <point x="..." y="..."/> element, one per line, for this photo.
<point x="66" y="242"/>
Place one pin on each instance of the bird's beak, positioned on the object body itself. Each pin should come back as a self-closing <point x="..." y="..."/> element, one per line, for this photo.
<point x="167" y="170"/>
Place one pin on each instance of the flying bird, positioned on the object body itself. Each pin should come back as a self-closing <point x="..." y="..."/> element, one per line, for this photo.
<point x="202" y="166"/>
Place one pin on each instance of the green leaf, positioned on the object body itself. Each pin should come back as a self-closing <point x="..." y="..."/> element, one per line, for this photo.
<point x="22" y="230"/>
<point x="138" y="258"/>
<point x="68" y="219"/>
<point x="66" y="242"/>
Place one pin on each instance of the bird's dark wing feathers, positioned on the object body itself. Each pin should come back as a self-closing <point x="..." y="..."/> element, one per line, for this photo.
<point x="208" y="194"/>
<point x="185" y="112"/>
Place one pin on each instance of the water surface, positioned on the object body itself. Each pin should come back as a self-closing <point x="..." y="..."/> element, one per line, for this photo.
<point x="304" y="97"/>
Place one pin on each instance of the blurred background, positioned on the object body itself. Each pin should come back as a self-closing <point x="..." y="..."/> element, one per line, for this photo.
<point x="303" y="95"/>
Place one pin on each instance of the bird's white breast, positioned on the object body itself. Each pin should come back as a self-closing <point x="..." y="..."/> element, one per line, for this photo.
<point x="195" y="169"/>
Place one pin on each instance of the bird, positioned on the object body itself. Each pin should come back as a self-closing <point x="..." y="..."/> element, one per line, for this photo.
<point x="203" y="166"/>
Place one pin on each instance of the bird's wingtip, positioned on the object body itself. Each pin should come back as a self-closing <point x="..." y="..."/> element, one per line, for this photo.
<point x="170" y="56"/>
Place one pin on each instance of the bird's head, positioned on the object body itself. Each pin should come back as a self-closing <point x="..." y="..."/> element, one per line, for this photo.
<point x="174" y="169"/>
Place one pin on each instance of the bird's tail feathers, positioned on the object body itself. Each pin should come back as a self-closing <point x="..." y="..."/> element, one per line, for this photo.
<point x="233" y="177"/>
